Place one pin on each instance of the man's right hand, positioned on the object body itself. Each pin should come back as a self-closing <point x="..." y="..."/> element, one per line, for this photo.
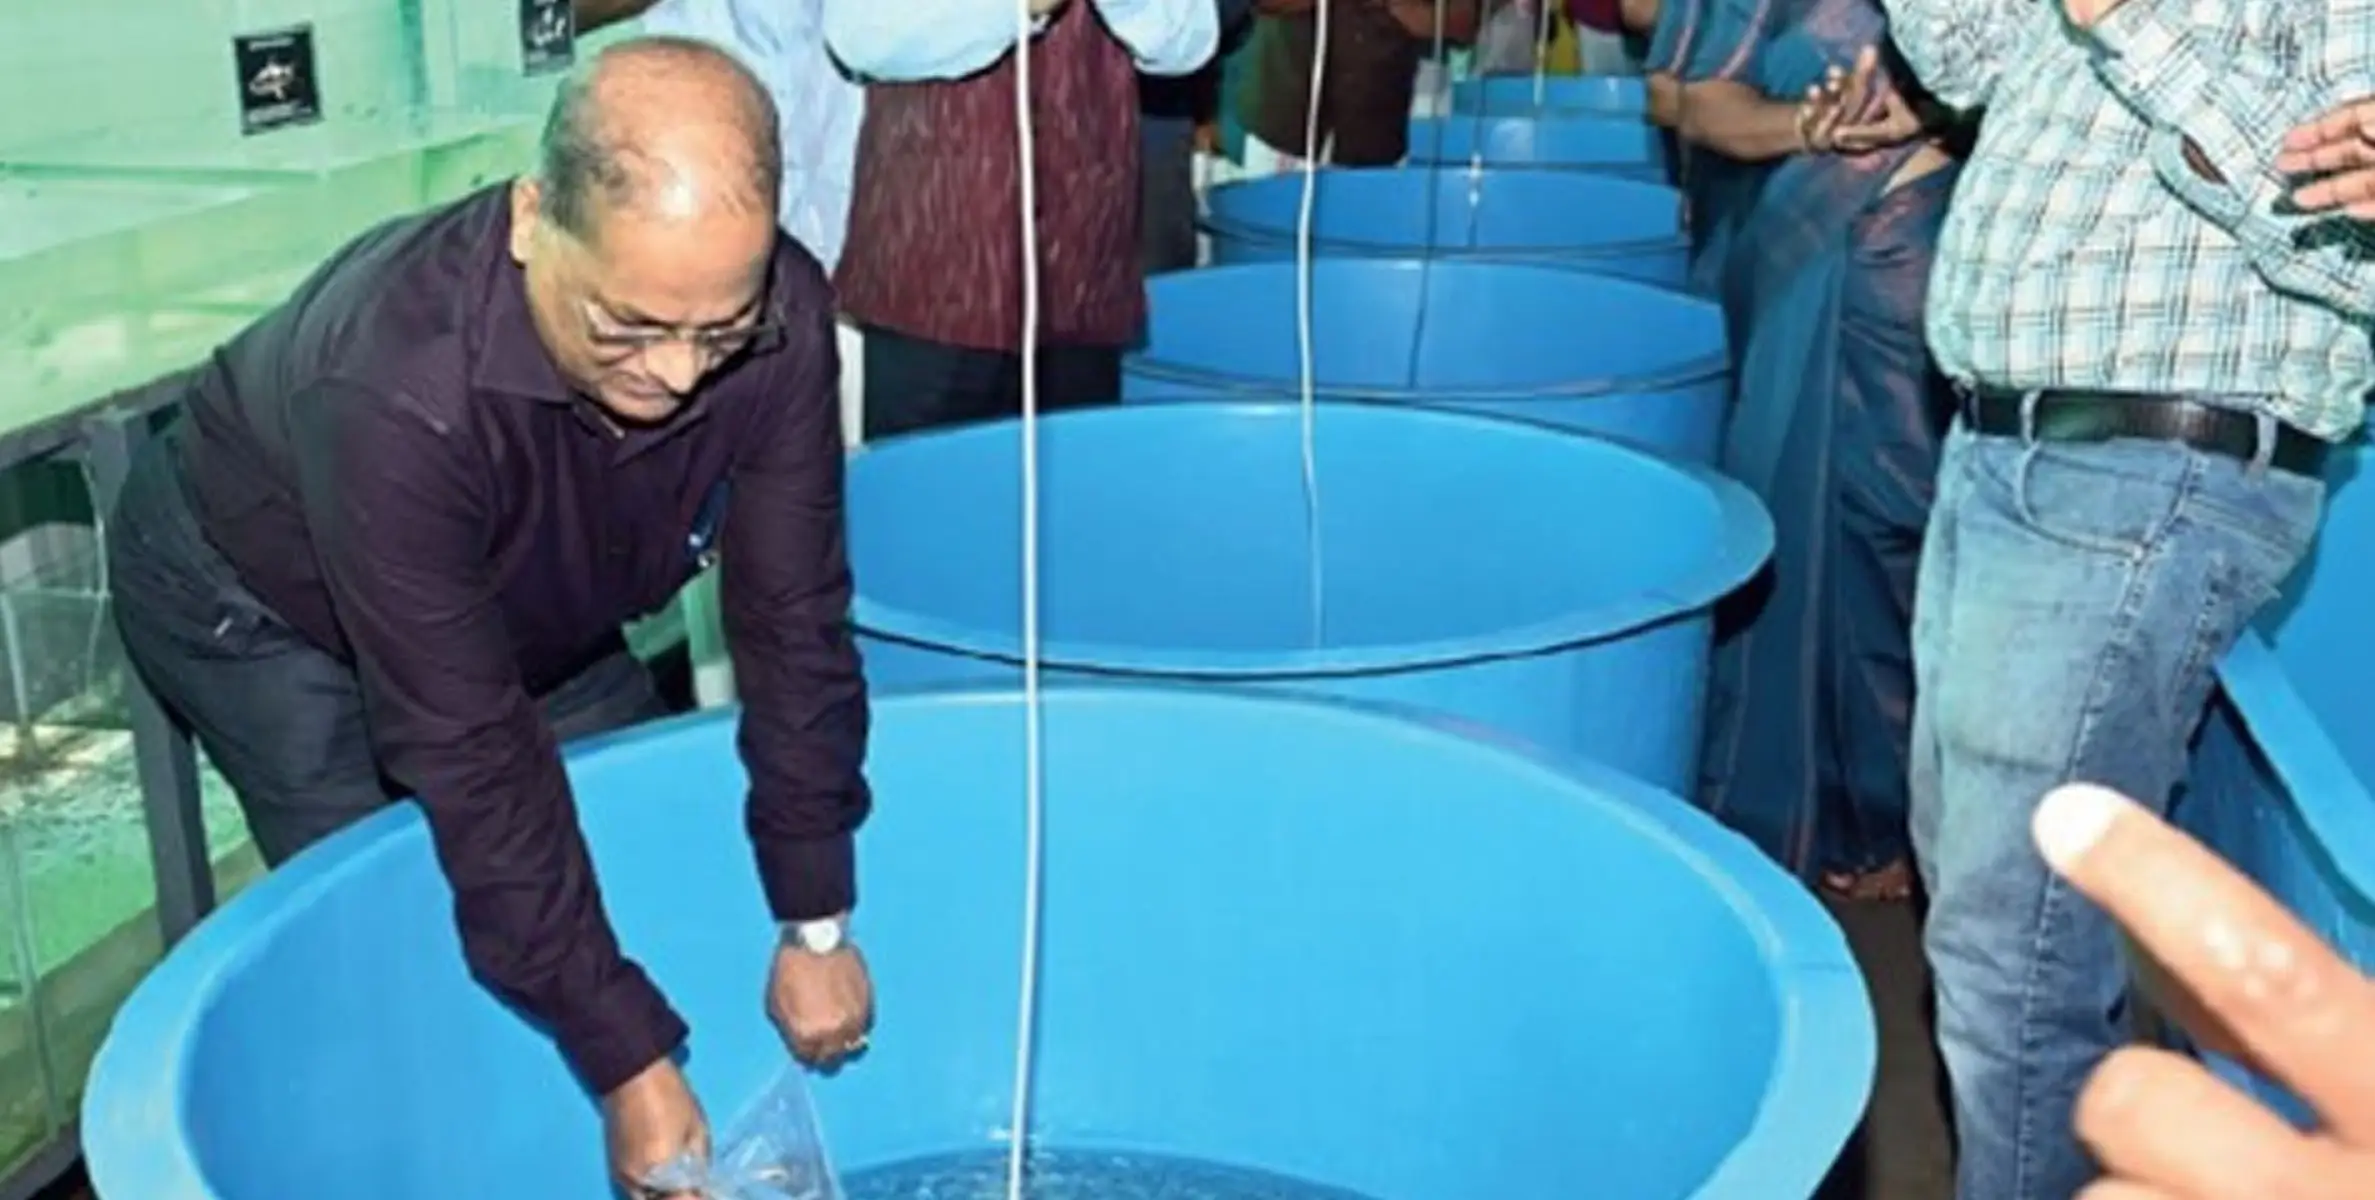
<point x="649" y="1121"/>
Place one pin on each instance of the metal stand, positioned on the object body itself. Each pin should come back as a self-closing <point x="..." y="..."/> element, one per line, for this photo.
<point x="167" y="761"/>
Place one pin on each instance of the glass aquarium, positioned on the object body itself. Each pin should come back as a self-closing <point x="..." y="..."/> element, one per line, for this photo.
<point x="169" y="170"/>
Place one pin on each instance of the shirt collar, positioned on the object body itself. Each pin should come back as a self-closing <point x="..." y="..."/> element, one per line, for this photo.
<point x="511" y="354"/>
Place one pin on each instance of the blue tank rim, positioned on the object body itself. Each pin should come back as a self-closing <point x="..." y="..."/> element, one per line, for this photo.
<point x="1531" y="255"/>
<point x="1744" y="543"/>
<point x="1710" y="367"/>
<point x="1466" y="103"/>
<point x="1630" y="84"/>
<point x="1274" y="235"/>
<point x="1827" y="1052"/>
<point x="1420" y="135"/>
<point x="1624" y="118"/>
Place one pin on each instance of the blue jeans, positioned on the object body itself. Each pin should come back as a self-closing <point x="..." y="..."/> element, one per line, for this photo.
<point x="2072" y="602"/>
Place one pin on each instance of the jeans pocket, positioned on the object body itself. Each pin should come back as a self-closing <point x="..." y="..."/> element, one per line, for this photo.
<point x="2117" y="499"/>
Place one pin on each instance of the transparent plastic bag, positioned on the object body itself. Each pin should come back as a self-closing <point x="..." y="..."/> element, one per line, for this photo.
<point x="775" y="1150"/>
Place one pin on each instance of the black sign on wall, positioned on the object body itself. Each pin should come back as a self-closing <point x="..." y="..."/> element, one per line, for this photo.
<point x="278" y="86"/>
<point x="548" y="36"/>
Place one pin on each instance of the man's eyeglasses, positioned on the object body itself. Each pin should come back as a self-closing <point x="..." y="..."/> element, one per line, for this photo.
<point x="715" y="345"/>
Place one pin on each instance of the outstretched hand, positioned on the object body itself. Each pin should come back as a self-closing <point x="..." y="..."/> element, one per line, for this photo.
<point x="2243" y="977"/>
<point x="1856" y="112"/>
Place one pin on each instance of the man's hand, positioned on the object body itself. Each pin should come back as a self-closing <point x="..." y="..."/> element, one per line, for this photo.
<point x="651" y="1121"/>
<point x="1856" y="112"/>
<point x="822" y="1003"/>
<point x="2246" y="979"/>
<point x="2085" y="13"/>
<point x="1042" y="8"/>
<point x="2339" y="149"/>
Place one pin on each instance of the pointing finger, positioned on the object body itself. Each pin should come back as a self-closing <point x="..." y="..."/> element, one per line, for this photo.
<point x="2285" y="996"/>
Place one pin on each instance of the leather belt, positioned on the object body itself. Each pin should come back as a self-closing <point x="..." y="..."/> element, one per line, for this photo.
<point x="2103" y="416"/>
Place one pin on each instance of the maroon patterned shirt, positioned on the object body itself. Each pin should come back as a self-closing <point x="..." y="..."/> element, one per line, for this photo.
<point x="934" y="248"/>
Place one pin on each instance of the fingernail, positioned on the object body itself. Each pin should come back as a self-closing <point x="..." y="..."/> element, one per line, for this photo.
<point x="2071" y="819"/>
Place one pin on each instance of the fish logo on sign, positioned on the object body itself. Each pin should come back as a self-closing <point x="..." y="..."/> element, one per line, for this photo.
<point x="278" y="83"/>
<point x="548" y="35"/>
<point x="274" y="82"/>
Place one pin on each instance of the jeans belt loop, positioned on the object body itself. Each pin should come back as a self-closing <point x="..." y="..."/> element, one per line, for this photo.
<point x="2263" y="451"/>
<point x="2030" y="401"/>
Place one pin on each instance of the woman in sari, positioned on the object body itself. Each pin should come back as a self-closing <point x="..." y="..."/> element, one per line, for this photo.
<point x="1693" y="44"/>
<point x="1837" y="426"/>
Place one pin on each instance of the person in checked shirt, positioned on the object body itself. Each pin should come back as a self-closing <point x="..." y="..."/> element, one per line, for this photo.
<point x="2155" y="343"/>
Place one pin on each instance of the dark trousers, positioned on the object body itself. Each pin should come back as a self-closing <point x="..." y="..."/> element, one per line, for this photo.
<point x="914" y="385"/>
<point x="1167" y="201"/>
<point x="278" y="717"/>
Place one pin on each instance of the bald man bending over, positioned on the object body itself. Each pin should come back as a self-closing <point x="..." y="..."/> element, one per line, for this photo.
<point x="389" y="546"/>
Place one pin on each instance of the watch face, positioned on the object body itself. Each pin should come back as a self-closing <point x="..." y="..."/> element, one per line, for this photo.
<point x="819" y="937"/>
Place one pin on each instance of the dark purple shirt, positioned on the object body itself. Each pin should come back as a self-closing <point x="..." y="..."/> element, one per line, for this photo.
<point x="394" y="465"/>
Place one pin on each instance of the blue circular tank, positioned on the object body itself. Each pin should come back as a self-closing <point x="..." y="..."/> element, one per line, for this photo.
<point x="1627" y="146"/>
<point x="1560" y="95"/>
<point x="1597" y="223"/>
<point x="1553" y="587"/>
<point x="1645" y="365"/>
<point x="1333" y="944"/>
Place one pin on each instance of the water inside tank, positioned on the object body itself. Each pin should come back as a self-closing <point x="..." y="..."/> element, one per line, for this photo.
<point x="1080" y="1175"/>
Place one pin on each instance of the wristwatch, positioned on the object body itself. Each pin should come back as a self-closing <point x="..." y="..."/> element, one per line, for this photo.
<point x="821" y="936"/>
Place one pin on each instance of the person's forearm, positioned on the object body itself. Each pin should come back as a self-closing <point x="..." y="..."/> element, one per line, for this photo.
<point x="804" y="722"/>
<point x="596" y="14"/>
<point x="785" y="592"/>
<point x="1739" y="122"/>
<point x="528" y="910"/>
<point x="804" y="728"/>
<point x="1638" y="16"/>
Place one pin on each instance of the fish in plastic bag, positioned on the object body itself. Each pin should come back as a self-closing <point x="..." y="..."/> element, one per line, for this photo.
<point x="773" y="1151"/>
